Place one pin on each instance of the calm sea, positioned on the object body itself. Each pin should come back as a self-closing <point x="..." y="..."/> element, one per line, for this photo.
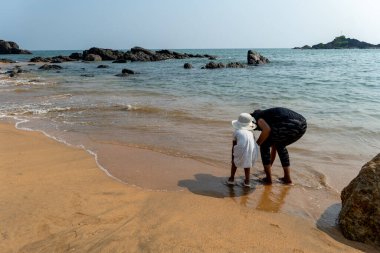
<point x="188" y="113"/>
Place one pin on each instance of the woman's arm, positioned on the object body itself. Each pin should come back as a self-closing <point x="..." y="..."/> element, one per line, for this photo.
<point x="265" y="131"/>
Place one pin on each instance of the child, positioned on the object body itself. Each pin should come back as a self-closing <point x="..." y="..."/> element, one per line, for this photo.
<point x="244" y="147"/>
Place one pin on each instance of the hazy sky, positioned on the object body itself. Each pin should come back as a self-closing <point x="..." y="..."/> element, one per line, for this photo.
<point x="173" y="24"/>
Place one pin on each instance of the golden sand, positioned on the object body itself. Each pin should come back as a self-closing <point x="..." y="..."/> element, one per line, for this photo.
<point x="54" y="198"/>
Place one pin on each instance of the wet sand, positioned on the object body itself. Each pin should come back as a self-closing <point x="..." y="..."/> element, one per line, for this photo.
<point x="56" y="199"/>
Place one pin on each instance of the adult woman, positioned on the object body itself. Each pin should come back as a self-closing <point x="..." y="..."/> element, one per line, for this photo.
<point x="280" y="127"/>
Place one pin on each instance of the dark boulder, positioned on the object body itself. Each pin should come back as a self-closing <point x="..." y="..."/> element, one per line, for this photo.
<point x="214" y="65"/>
<point x="15" y="71"/>
<point x="92" y="57"/>
<point x="103" y="66"/>
<point x="120" y="61"/>
<point x="210" y="57"/>
<point x="128" y="71"/>
<point x="49" y="67"/>
<point x="40" y="59"/>
<point x="235" y="65"/>
<point x="136" y="50"/>
<point x="254" y="58"/>
<point x="105" y="54"/>
<point x="56" y="61"/>
<point x="165" y="51"/>
<point x="187" y="66"/>
<point x="359" y="218"/>
<point x="87" y="75"/>
<point x="61" y="58"/>
<point x="7" y="61"/>
<point x="140" y="56"/>
<point x="10" y="47"/>
<point x="76" y="56"/>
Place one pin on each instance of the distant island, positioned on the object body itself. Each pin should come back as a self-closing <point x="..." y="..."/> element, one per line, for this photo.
<point x="342" y="42"/>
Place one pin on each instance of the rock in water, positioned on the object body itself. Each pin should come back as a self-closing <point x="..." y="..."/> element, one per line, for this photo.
<point x="256" y="58"/>
<point x="359" y="218"/>
<point x="214" y="65"/>
<point x="49" y="67"/>
<point x="92" y="57"/>
<point x="10" y="47"/>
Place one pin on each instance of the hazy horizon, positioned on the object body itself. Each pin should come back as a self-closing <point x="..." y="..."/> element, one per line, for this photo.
<point x="197" y="24"/>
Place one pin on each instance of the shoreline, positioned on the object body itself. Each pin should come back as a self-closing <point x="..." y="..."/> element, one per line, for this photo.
<point x="55" y="198"/>
<point x="322" y="167"/>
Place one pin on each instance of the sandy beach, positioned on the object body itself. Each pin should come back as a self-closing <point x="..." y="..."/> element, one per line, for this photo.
<point x="56" y="199"/>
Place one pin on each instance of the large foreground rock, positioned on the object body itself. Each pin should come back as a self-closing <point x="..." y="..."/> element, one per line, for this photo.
<point x="10" y="47"/>
<point x="359" y="218"/>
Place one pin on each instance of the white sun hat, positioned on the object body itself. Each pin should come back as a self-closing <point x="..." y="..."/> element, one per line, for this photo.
<point x="244" y="122"/>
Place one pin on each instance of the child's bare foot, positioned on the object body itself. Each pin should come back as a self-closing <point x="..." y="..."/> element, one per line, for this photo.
<point x="285" y="180"/>
<point x="247" y="184"/>
<point x="230" y="181"/>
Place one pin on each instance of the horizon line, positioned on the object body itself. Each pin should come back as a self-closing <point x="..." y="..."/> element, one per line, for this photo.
<point x="217" y="48"/>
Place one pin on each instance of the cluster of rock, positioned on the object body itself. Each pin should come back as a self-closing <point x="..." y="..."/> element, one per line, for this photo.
<point x="55" y="59"/>
<point x="15" y="71"/>
<point x="117" y="56"/>
<point x="50" y="67"/>
<point x="139" y="54"/>
<point x="219" y="65"/>
<point x="3" y="60"/>
<point x="253" y="58"/>
<point x="10" y="47"/>
<point x="342" y="42"/>
<point x="359" y="218"/>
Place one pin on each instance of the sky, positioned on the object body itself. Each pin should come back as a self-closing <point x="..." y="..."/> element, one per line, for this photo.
<point x="179" y="24"/>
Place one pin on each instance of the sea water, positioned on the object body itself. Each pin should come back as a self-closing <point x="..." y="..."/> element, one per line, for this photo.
<point x="188" y="112"/>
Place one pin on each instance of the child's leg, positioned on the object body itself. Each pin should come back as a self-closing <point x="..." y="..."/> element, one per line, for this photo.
<point x="247" y="173"/>
<point x="233" y="171"/>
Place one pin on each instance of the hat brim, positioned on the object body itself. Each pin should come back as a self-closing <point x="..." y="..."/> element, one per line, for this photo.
<point x="238" y="126"/>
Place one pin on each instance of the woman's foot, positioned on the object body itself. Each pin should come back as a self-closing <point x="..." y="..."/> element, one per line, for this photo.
<point x="285" y="180"/>
<point x="266" y="180"/>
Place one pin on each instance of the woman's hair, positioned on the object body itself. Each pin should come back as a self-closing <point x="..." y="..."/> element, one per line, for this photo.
<point x="256" y="114"/>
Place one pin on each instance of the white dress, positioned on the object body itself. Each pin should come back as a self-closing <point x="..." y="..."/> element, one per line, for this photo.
<point x="246" y="149"/>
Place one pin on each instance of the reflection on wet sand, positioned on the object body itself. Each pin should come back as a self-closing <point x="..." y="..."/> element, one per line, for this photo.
<point x="272" y="198"/>
<point x="269" y="198"/>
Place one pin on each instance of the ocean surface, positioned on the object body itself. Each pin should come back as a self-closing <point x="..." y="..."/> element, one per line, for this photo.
<point x="188" y="112"/>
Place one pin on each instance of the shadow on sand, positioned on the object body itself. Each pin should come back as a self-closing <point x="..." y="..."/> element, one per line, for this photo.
<point x="328" y="223"/>
<point x="212" y="186"/>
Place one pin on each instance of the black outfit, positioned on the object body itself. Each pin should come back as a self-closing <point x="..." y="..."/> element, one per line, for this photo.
<point x="286" y="126"/>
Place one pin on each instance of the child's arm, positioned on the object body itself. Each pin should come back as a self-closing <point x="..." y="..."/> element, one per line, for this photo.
<point x="234" y="142"/>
